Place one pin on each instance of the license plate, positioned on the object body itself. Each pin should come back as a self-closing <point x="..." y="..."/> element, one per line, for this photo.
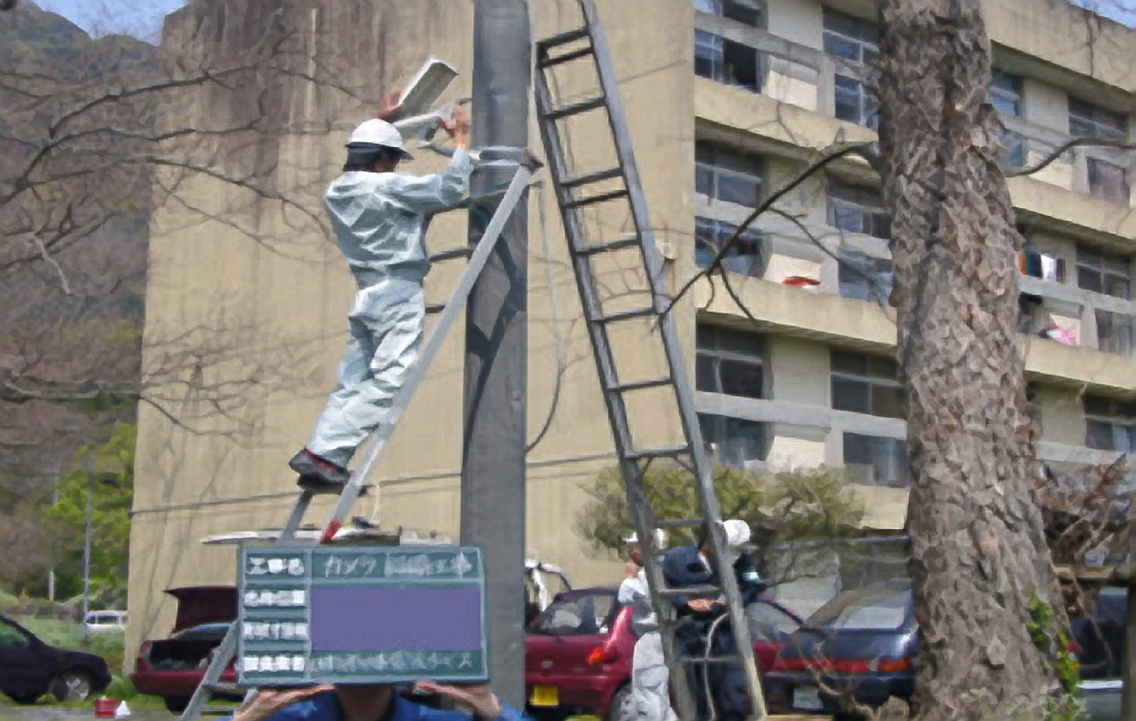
<point x="545" y="696"/>
<point x="807" y="699"/>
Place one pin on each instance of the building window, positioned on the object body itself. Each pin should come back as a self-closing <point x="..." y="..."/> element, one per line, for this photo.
<point x="726" y="61"/>
<point x="857" y="42"/>
<point x="857" y="210"/>
<point x="864" y="278"/>
<point x="1108" y="181"/>
<point x="749" y="12"/>
<point x="721" y="173"/>
<point x="1012" y="150"/>
<point x="1092" y="121"/>
<point x="1005" y="93"/>
<point x="866" y="384"/>
<point x="729" y="362"/>
<point x="873" y="461"/>
<point x="1042" y="264"/>
<point x="745" y="257"/>
<point x="1103" y="272"/>
<point x="1114" y="332"/>
<point x="733" y="441"/>
<point x="1110" y="425"/>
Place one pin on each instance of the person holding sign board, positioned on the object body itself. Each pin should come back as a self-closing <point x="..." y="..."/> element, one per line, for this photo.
<point x="373" y="702"/>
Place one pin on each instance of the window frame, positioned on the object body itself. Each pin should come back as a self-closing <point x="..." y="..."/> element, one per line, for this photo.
<point x="871" y="380"/>
<point x="715" y="159"/>
<point x="1089" y="120"/>
<point x="708" y="421"/>
<point x="1097" y="172"/>
<point x="1096" y="262"/>
<point x="864" y="264"/>
<point x="901" y="460"/>
<point x="712" y="348"/>
<point x="1013" y="94"/>
<point x="1116" y="416"/>
<point x="748" y="264"/>
<point x="863" y="35"/>
<point x="857" y="199"/>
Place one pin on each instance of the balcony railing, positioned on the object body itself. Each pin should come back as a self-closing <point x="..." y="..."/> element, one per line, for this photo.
<point x="788" y="250"/>
<point x="806" y="77"/>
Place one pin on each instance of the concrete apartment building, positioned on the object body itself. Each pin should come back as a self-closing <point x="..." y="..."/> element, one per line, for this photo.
<point x="728" y="100"/>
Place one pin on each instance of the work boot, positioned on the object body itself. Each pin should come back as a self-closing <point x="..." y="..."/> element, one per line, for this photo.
<point x="317" y="473"/>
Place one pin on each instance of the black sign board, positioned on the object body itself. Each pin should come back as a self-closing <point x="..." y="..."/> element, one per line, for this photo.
<point x="332" y="614"/>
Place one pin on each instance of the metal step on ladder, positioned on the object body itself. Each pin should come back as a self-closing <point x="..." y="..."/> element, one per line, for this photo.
<point x="526" y="164"/>
<point x="576" y="191"/>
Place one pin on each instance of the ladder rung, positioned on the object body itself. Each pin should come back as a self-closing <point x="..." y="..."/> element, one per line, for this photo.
<point x="627" y="241"/>
<point x="664" y="452"/>
<point x="626" y="315"/>
<point x="432" y="308"/>
<point x="563" y="38"/>
<point x="462" y="252"/>
<point x="585" y="179"/>
<point x="682" y="523"/>
<point x="566" y="57"/>
<point x="640" y="385"/>
<point x="689" y="591"/>
<point x="575" y="108"/>
<point x="699" y="660"/>
<point x="601" y="198"/>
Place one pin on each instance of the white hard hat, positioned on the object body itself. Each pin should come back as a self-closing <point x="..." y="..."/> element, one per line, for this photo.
<point x="381" y="133"/>
<point x="737" y="532"/>
<point x="660" y="539"/>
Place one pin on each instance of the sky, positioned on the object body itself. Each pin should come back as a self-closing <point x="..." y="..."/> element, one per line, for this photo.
<point x="141" y="18"/>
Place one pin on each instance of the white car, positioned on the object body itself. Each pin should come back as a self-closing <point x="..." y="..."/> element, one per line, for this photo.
<point x="105" y="621"/>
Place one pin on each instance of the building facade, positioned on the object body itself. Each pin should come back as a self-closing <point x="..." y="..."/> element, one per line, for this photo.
<point x="728" y="101"/>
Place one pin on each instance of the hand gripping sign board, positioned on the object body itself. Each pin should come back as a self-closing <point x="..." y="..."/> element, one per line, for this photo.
<point x="358" y="615"/>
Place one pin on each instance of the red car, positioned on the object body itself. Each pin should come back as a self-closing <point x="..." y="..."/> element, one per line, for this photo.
<point x="578" y="651"/>
<point x="173" y="668"/>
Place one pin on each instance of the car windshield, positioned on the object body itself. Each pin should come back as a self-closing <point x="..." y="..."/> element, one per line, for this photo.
<point x="882" y="607"/>
<point x="576" y="615"/>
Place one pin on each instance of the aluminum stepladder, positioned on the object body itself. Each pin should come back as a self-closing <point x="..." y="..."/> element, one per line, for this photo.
<point x="582" y="43"/>
<point x="526" y="165"/>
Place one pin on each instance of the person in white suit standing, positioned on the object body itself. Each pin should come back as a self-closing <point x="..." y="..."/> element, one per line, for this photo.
<point x="650" y="696"/>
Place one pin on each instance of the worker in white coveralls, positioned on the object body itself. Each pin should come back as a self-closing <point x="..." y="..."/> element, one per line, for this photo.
<point x="379" y="218"/>
<point x="650" y="699"/>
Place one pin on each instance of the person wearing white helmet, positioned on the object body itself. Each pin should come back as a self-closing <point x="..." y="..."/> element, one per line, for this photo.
<point x="706" y="631"/>
<point x="379" y="218"/>
<point x="649" y="699"/>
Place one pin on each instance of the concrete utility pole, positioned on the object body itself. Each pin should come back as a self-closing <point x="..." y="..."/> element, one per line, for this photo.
<point x="496" y="374"/>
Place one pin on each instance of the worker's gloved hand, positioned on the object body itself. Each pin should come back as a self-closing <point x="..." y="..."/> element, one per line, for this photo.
<point x="269" y="702"/>
<point x="390" y="107"/>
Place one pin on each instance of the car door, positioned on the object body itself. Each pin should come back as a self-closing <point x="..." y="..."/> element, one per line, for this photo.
<point x="24" y="669"/>
<point x="769" y="627"/>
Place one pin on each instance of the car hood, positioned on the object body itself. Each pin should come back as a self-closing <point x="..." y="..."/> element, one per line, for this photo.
<point x="198" y="605"/>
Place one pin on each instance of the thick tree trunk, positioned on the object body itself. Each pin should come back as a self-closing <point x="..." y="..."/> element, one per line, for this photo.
<point x="978" y="548"/>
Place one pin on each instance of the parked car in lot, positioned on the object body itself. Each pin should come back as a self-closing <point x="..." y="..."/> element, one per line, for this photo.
<point x="173" y="667"/>
<point x="29" y="668"/>
<point x="105" y="621"/>
<point x="578" y="651"/>
<point x="864" y="643"/>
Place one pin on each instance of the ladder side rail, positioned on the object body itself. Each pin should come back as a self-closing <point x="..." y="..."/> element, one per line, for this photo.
<point x="711" y="509"/>
<point x="617" y="413"/>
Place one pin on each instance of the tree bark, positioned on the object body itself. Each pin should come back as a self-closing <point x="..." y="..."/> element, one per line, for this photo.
<point x="978" y="547"/>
